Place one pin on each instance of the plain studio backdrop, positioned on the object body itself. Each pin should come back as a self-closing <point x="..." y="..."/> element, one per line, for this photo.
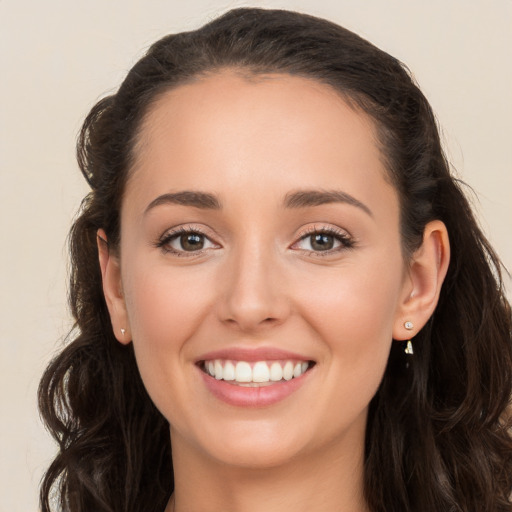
<point x="58" y="57"/>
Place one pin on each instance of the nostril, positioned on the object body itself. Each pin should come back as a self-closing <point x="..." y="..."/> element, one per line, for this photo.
<point x="249" y="322"/>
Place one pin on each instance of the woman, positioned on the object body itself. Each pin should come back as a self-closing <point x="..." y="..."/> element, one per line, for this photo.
<point x="276" y="276"/>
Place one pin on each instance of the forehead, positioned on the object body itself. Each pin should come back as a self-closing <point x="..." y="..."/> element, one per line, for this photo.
<point x="232" y="99"/>
<point x="269" y="132"/>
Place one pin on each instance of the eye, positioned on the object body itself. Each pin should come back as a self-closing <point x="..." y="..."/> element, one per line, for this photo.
<point x="325" y="240"/>
<point x="185" y="241"/>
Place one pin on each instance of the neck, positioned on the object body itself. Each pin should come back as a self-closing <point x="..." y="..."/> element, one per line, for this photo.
<point x="329" y="481"/>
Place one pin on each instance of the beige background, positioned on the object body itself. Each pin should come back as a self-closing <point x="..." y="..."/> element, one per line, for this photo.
<point x="59" y="56"/>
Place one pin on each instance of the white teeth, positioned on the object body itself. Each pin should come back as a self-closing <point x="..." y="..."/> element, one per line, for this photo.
<point x="276" y="372"/>
<point x="243" y="372"/>
<point x="229" y="371"/>
<point x="260" y="372"/>
<point x="288" y="371"/>
<point x="218" y="370"/>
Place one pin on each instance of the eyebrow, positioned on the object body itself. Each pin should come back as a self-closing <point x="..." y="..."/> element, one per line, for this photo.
<point x="308" y="198"/>
<point x="193" y="198"/>
<point x="299" y="199"/>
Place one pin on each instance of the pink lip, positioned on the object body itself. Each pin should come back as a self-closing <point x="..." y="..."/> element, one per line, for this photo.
<point x="241" y="396"/>
<point x="253" y="354"/>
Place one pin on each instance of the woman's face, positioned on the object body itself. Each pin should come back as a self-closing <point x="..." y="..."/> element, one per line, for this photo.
<point x="260" y="237"/>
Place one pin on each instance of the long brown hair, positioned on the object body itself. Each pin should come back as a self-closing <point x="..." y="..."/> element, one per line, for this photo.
<point x="437" y="435"/>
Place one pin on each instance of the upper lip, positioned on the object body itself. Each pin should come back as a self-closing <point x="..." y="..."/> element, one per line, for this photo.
<point x="253" y="354"/>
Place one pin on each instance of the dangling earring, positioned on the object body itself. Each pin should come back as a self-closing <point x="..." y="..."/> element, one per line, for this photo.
<point x="408" y="348"/>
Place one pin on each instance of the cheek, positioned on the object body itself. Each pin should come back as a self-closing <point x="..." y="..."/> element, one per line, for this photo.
<point x="164" y="310"/>
<point x="353" y="313"/>
<point x="357" y="302"/>
<point x="164" y="306"/>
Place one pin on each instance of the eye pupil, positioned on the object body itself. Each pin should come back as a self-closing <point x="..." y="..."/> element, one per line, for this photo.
<point x="322" y="242"/>
<point x="192" y="241"/>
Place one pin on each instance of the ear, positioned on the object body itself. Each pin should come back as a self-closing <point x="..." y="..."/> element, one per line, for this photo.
<point x="112" y="289"/>
<point x="422" y="285"/>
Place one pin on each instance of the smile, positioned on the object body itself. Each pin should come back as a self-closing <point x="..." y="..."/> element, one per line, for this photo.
<point x="254" y="377"/>
<point x="252" y="374"/>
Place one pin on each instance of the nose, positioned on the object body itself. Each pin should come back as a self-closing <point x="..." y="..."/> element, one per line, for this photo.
<point x="253" y="293"/>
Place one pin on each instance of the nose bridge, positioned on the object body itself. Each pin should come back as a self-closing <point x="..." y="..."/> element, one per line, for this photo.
<point x="253" y="294"/>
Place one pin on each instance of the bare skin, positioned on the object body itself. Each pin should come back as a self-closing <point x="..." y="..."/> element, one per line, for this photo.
<point x="289" y="241"/>
<point x="321" y="488"/>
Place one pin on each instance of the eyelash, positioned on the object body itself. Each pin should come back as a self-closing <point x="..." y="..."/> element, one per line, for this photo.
<point x="346" y="241"/>
<point x="169" y="236"/>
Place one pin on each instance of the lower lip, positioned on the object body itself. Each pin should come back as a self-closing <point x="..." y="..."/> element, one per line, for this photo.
<point x="263" y="396"/>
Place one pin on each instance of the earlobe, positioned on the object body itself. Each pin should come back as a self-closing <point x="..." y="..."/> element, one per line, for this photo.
<point x="427" y="270"/>
<point x="112" y="289"/>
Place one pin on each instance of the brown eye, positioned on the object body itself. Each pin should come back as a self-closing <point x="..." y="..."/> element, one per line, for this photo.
<point x="191" y="241"/>
<point x="321" y="242"/>
<point x="185" y="241"/>
<point x="325" y="241"/>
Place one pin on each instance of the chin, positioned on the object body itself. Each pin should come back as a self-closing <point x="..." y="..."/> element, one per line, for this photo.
<point x="248" y="443"/>
<point x="256" y="453"/>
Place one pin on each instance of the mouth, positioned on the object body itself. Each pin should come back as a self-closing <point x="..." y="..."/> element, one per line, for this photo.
<point x="255" y="373"/>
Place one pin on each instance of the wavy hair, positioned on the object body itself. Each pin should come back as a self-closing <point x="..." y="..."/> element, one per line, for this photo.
<point x="438" y="436"/>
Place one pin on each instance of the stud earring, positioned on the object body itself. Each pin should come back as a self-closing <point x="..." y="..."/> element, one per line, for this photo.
<point x="408" y="325"/>
<point x="123" y="331"/>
